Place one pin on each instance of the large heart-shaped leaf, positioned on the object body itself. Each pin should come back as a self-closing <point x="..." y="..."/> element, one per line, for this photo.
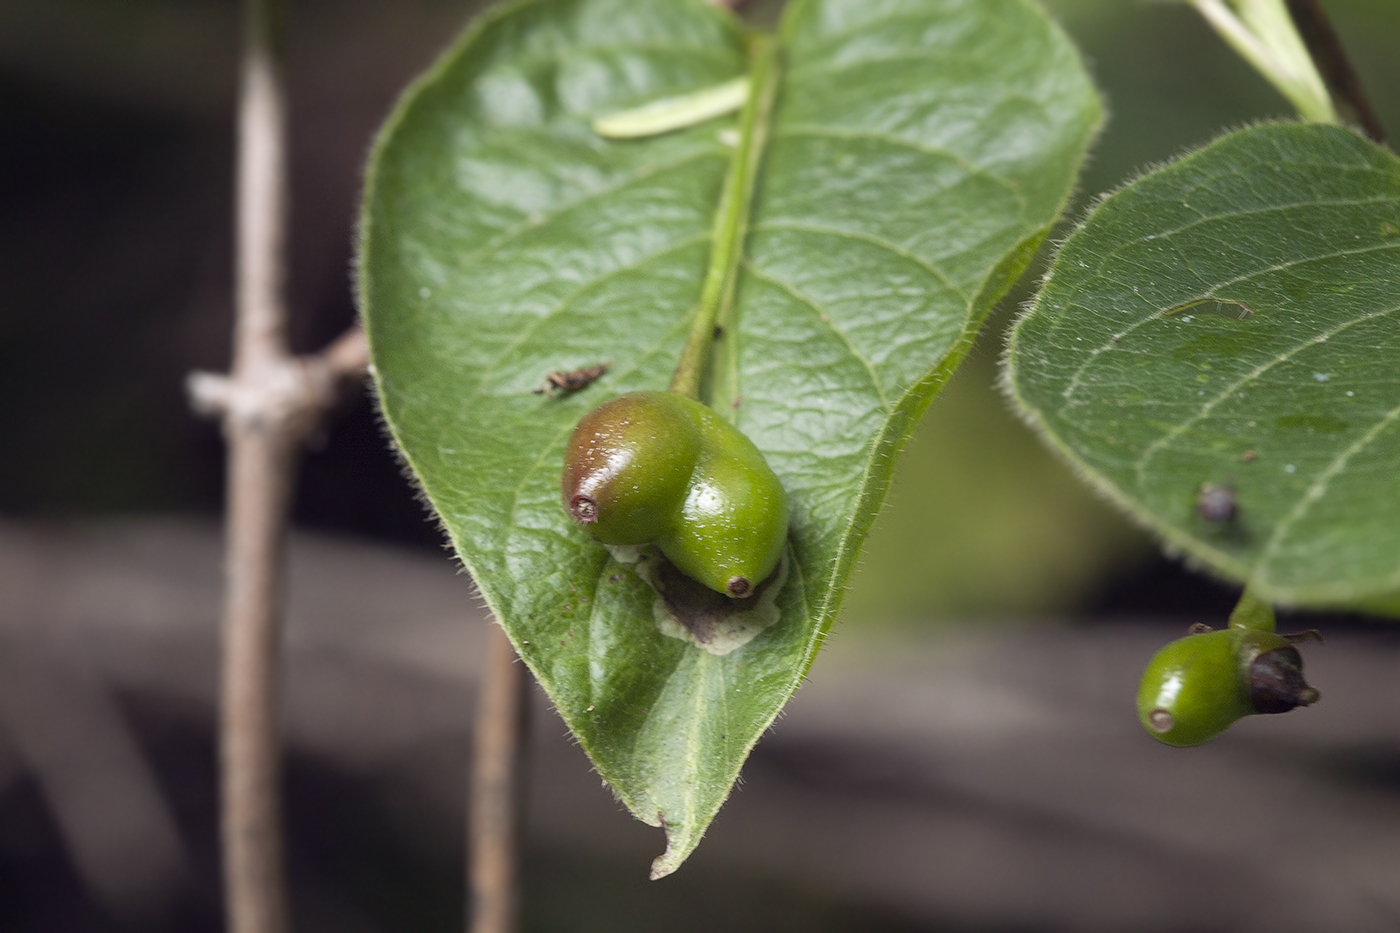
<point x="918" y="152"/>
<point x="1231" y="323"/>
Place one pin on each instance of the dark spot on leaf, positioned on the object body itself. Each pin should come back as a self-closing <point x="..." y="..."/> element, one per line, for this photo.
<point x="700" y="609"/>
<point x="1216" y="503"/>
<point x="1322" y="424"/>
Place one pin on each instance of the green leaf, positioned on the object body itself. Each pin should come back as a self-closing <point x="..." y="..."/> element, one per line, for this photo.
<point x="918" y="153"/>
<point x="1229" y="324"/>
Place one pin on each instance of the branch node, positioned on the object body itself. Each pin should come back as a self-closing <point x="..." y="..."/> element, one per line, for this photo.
<point x="285" y="396"/>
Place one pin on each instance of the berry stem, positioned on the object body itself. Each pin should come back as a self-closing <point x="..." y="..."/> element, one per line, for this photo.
<point x="731" y="219"/>
<point x="1252" y="613"/>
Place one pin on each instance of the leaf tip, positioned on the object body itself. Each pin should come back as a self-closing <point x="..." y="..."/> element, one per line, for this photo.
<point x="668" y="861"/>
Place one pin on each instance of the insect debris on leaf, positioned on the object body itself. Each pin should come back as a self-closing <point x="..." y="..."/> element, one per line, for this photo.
<point x="1216" y="503"/>
<point x="561" y="382"/>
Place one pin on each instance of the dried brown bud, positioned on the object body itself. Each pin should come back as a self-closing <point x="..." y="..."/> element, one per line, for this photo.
<point x="1276" y="682"/>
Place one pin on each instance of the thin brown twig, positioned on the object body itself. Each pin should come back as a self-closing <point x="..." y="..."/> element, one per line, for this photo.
<point x="268" y="404"/>
<point x="1332" y="63"/>
<point x="261" y="452"/>
<point x="494" y="811"/>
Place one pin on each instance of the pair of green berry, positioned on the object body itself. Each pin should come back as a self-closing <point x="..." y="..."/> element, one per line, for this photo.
<point x="661" y="468"/>
<point x="1198" y="686"/>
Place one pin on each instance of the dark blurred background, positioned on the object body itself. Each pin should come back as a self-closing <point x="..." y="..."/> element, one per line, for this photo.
<point x="115" y="271"/>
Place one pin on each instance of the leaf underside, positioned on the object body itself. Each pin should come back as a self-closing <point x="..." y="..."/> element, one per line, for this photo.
<point x="1233" y="321"/>
<point x="919" y="151"/>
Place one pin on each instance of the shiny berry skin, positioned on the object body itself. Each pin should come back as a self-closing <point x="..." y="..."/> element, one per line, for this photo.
<point x="660" y="468"/>
<point x="733" y="522"/>
<point x="1197" y="686"/>
<point x="629" y="464"/>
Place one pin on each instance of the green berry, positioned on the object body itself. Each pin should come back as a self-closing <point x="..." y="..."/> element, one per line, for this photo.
<point x="1198" y="686"/>
<point x="660" y="468"/>
<point x="629" y="465"/>
<point x="730" y="531"/>
<point x="1191" y="690"/>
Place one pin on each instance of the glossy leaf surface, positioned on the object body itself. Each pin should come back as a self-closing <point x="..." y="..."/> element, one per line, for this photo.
<point x="1233" y="321"/>
<point x="917" y="155"/>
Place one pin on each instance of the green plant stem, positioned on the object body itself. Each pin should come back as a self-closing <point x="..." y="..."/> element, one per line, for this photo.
<point x="731" y="220"/>
<point x="1252" y="613"/>
<point x="1263" y="34"/>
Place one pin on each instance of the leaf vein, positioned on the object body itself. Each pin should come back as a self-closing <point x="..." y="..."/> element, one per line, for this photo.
<point x="1229" y="215"/>
<point x="1318" y="487"/>
<point x="825" y="318"/>
<point x="1209" y="294"/>
<point x="809" y="129"/>
<point x="532" y="222"/>
<point x="528" y="62"/>
<point x="1140" y="465"/>
<point x="564" y="303"/>
<point x="836" y="38"/>
<point x="873" y="240"/>
<point x="938" y="58"/>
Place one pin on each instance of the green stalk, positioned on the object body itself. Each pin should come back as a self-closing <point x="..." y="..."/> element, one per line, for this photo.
<point x="1252" y="613"/>
<point x="731" y="219"/>
<point x="1263" y="34"/>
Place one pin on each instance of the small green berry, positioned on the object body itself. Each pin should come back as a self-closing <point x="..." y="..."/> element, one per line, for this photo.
<point x="1198" y="686"/>
<point x="733" y="522"/>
